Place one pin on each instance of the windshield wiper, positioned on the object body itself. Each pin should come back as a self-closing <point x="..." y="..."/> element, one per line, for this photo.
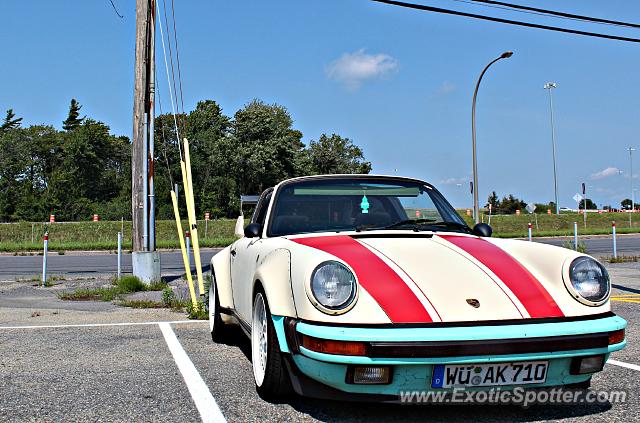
<point x="452" y="225"/>
<point x="408" y="222"/>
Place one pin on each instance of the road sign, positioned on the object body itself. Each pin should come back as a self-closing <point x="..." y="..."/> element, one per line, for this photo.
<point x="207" y="216"/>
<point x="52" y="218"/>
<point x="531" y="208"/>
<point x="577" y="197"/>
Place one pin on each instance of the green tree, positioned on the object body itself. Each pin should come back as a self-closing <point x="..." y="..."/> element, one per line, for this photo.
<point x="266" y="148"/>
<point x="335" y="154"/>
<point x="73" y="119"/>
<point x="10" y="121"/>
<point x="626" y="204"/>
<point x="509" y="204"/>
<point x="590" y="204"/>
<point x="493" y="201"/>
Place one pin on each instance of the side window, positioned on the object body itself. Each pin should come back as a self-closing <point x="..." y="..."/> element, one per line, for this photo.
<point x="261" y="210"/>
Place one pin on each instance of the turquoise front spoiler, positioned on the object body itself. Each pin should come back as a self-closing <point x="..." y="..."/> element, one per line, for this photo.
<point x="414" y="373"/>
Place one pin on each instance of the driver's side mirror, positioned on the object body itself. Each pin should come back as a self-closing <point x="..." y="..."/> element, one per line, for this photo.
<point x="253" y="230"/>
<point x="483" y="230"/>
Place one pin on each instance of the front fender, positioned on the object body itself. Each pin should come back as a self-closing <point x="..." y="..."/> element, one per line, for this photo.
<point x="274" y="274"/>
<point x="221" y="269"/>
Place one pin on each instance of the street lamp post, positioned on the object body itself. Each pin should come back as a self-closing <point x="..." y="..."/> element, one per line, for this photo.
<point x="631" y="150"/>
<point x="549" y="86"/>
<point x="476" y="208"/>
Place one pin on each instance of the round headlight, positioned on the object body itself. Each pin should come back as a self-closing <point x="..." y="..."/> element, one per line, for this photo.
<point x="333" y="285"/>
<point x="589" y="279"/>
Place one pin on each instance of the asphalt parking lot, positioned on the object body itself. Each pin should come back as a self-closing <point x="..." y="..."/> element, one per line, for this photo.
<point x="100" y="362"/>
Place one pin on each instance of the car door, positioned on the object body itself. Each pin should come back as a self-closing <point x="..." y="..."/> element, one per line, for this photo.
<point x="244" y="256"/>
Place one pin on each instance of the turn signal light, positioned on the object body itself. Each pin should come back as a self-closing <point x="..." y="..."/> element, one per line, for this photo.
<point x="328" y="346"/>
<point x="616" y="337"/>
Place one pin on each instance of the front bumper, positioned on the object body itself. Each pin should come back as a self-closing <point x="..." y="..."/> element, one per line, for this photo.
<point x="413" y="350"/>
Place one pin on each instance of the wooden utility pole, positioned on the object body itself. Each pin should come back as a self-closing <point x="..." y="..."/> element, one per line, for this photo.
<point x="146" y="262"/>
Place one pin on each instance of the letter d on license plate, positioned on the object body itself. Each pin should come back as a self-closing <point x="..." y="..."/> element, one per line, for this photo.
<point x="493" y="374"/>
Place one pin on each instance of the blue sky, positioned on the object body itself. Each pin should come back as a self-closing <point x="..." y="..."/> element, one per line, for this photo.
<point x="398" y="82"/>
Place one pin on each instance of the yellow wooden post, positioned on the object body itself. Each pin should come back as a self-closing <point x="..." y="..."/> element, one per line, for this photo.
<point x="187" y="270"/>
<point x="192" y="218"/>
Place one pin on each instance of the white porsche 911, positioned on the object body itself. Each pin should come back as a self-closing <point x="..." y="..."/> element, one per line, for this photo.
<point x="362" y="287"/>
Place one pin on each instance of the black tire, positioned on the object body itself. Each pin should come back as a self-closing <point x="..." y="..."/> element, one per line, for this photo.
<point x="276" y="383"/>
<point x="219" y="330"/>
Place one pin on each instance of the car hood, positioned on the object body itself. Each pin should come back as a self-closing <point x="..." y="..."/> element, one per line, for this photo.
<point x="450" y="277"/>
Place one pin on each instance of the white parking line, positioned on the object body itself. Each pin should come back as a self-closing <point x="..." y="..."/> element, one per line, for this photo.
<point x="625" y="365"/>
<point x="205" y="403"/>
<point x="98" y="325"/>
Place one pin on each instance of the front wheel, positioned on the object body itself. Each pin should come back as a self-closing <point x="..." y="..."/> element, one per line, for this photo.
<point x="272" y="381"/>
<point x="216" y="325"/>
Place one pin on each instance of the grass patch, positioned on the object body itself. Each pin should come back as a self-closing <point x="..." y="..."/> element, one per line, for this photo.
<point x="623" y="259"/>
<point x="96" y="294"/>
<point x="124" y="285"/>
<point x="69" y="236"/>
<point x="141" y="304"/>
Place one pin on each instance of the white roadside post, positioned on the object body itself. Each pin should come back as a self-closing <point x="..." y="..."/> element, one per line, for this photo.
<point x="575" y="236"/>
<point x="584" y="210"/>
<point x="615" y="247"/>
<point x="187" y="235"/>
<point x="44" y="259"/>
<point x="119" y="255"/>
<point x="531" y="208"/>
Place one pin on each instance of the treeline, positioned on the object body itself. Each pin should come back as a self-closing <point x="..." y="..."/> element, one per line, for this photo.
<point x="84" y="169"/>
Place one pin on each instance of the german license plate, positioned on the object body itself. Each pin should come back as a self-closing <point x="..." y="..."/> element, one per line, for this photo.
<point x="493" y="374"/>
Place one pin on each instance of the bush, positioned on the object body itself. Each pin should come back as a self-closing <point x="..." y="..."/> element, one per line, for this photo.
<point x="197" y="312"/>
<point x="131" y="283"/>
<point x="168" y="297"/>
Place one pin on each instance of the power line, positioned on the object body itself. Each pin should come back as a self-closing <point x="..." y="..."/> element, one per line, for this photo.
<point x="166" y="66"/>
<point x="505" y="21"/>
<point x="175" y="37"/>
<point x="115" y="9"/>
<point x="173" y="75"/>
<point x="558" y="14"/>
<point x="475" y="3"/>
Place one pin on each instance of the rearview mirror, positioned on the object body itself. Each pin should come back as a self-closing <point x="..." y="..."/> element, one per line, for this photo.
<point x="239" y="229"/>
<point x="483" y="230"/>
<point x="253" y="230"/>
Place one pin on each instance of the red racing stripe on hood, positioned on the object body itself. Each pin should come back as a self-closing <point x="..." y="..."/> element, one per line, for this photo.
<point x="381" y="282"/>
<point x="533" y="296"/>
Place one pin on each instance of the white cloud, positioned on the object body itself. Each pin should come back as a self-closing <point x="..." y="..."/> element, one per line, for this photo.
<point x="454" y="181"/>
<point x="353" y="69"/>
<point x="446" y="88"/>
<point x="605" y="173"/>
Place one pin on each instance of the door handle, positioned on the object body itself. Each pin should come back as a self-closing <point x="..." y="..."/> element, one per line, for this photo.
<point x="233" y="253"/>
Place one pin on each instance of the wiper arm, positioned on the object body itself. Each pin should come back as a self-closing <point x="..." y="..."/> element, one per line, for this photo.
<point x="373" y="227"/>
<point x="452" y="225"/>
<point x="408" y="222"/>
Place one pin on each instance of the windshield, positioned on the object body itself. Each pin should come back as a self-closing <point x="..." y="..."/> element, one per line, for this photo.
<point x="347" y="204"/>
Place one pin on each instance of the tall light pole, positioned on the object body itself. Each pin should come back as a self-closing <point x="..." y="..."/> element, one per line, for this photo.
<point x="476" y="208"/>
<point x="550" y="86"/>
<point x="631" y="150"/>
